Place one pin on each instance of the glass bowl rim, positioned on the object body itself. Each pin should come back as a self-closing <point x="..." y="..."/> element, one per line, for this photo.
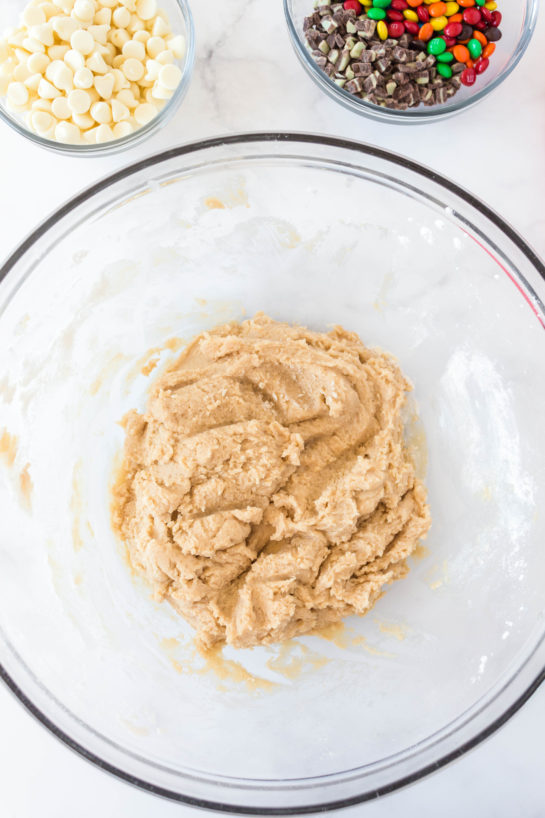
<point x="420" y="114"/>
<point x="136" y="137"/>
<point x="295" y="138"/>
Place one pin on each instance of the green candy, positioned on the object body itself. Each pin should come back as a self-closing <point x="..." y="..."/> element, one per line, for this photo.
<point x="376" y="14"/>
<point x="381" y="4"/>
<point x="444" y="70"/>
<point x="475" y="48"/>
<point x="446" y="57"/>
<point x="480" y="2"/>
<point x="436" y="46"/>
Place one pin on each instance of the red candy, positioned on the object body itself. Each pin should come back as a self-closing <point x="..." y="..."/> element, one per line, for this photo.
<point x="472" y="16"/>
<point x="400" y="5"/>
<point x="450" y="41"/>
<point x="412" y="27"/>
<point x="392" y="14"/>
<point x="481" y="65"/>
<point x="468" y="76"/>
<point x="396" y="29"/>
<point x="497" y="18"/>
<point x="453" y="29"/>
<point x="488" y="15"/>
<point x="423" y="14"/>
<point x="353" y="5"/>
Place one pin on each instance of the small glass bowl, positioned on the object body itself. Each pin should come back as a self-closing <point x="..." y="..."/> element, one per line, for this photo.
<point x="181" y="20"/>
<point x="518" y="24"/>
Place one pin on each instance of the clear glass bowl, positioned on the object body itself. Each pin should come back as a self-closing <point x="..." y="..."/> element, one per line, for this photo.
<point x="315" y="230"/>
<point x="181" y="21"/>
<point x="519" y="20"/>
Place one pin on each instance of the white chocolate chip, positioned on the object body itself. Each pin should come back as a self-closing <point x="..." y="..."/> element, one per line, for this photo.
<point x="58" y="52"/>
<point x="119" y="111"/>
<point x="160" y="28"/>
<point x="105" y="85"/>
<point x="144" y="113"/>
<point x="165" y="57"/>
<point x="83" y="78"/>
<point x="33" y="45"/>
<point x="79" y="101"/>
<point x="118" y="37"/>
<point x="33" y="16"/>
<point x="83" y="121"/>
<point x="101" y="112"/>
<point x="177" y="46"/>
<point x="60" y="108"/>
<point x="21" y="72"/>
<point x="133" y="69"/>
<point x="120" y="80"/>
<point x="67" y="132"/>
<point x="82" y="41"/>
<point x="122" y="17"/>
<point x="41" y="105"/>
<point x="17" y="93"/>
<point x="33" y="82"/>
<point x="122" y="129"/>
<point x="60" y="75"/>
<point x="152" y="70"/>
<point x="146" y="9"/>
<point x="74" y="60"/>
<point x="127" y="97"/>
<point x="170" y="76"/>
<point x="43" y="33"/>
<point x="64" y="27"/>
<point x="141" y="36"/>
<point x="103" y="17"/>
<point x="104" y="133"/>
<point x="99" y="34"/>
<point x="84" y="10"/>
<point x="97" y="64"/>
<point x="133" y="48"/>
<point x="43" y="122"/>
<point x="47" y="91"/>
<point x="136" y="25"/>
<point x="154" y="46"/>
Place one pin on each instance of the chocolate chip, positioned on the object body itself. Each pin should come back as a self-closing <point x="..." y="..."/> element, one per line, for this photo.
<point x="492" y="34"/>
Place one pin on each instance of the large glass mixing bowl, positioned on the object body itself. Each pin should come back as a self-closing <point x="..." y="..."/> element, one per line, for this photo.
<point x="315" y="230"/>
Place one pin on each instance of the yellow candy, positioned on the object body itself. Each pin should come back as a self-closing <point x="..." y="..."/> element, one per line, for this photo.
<point x="382" y="30"/>
<point x="438" y="23"/>
<point x="452" y="8"/>
<point x="491" y="6"/>
<point x="409" y="14"/>
<point x="366" y="2"/>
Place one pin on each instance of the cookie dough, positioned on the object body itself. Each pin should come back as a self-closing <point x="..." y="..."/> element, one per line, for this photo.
<point x="267" y="490"/>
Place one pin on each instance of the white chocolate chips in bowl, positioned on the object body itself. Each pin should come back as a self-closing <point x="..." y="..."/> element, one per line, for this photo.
<point x="83" y="74"/>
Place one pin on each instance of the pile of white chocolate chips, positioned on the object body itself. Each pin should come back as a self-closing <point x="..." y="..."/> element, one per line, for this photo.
<point x="89" y="71"/>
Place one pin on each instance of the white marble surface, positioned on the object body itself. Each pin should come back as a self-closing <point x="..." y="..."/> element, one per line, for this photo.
<point x="247" y="78"/>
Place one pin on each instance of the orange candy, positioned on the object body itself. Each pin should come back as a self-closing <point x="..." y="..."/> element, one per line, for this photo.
<point x="461" y="54"/>
<point x="456" y="18"/>
<point x="437" y="9"/>
<point x="426" y="32"/>
<point x="478" y="35"/>
<point x="414" y="3"/>
<point x="466" y="4"/>
<point x="470" y="63"/>
<point x="489" y="50"/>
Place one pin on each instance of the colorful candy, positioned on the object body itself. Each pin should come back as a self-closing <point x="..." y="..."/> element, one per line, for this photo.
<point x="465" y="29"/>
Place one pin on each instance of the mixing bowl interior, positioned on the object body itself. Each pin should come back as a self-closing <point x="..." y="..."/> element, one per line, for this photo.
<point x="319" y="232"/>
